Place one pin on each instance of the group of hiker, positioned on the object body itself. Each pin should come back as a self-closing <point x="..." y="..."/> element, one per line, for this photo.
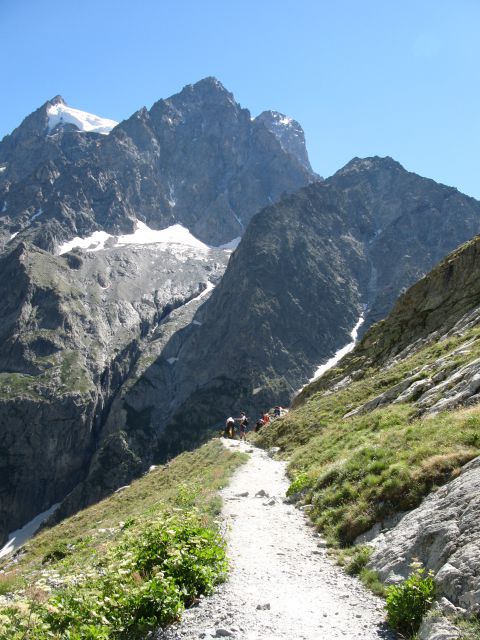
<point x="243" y="422"/>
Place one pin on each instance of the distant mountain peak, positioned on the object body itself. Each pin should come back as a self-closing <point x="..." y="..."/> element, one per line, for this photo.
<point x="209" y="81"/>
<point x="54" y="101"/>
<point x="357" y="165"/>
<point x="289" y="133"/>
<point x="61" y="115"/>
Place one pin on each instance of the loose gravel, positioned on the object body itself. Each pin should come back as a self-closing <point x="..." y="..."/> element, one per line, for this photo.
<point x="282" y="584"/>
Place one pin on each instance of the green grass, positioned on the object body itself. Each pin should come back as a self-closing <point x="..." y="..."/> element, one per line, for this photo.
<point x="358" y="471"/>
<point x="354" y="560"/>
<point x="128" y="563"/>
<point x="470" y="629"/>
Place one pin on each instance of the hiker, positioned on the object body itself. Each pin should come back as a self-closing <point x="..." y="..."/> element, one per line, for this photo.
<point x="266" y="418"/>
<point x="277" y="412"/>
<point x="243" y="425"/>
<point x="259" y="424"/>
<point x="230" y="428"/>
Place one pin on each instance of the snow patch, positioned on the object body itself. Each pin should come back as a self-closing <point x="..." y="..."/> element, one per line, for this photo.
<point x="171" y="360"/>
<point x="126" y="486"/>
<point x="20" y="536"/>
<point x="171" y="195"/>
<point x="197" y="323"/>
<point x="242" y="226"/>
<point x="84" y="121"/>
<point x="94" y="242"/>
<point x="210" y="286"/>
<point x="35" y="215"/>
<point x="4" y="168"/>
<point x="14" y="235"/>
<point x="232" y="245"/>
<point x="176" y="234"/>
<point x="4" y="208"/>
<point x="172" y="236"/>
<point x="340" y="353"/>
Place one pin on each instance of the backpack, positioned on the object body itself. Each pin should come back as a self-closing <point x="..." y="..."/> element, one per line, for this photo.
<point x="245" y="422"/>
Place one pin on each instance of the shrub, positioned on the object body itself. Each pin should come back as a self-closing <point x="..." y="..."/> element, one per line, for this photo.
<point x="408" y="601"/>
<point x="143" y="582"/>
<point x="301" y="482"/>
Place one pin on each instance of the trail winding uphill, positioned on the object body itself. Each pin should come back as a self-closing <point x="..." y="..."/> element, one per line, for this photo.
<point x="281" y="585"/>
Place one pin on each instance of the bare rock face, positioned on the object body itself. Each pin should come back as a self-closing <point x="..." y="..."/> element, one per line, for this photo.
<point x="436" y="627"/>
<point x="289" y="133"/>
<point x="444" y="534"/>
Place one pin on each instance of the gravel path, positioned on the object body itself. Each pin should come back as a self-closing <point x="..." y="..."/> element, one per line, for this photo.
<point x="282" y="585"/>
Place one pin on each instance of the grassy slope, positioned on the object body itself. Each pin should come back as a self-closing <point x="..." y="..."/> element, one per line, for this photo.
<point x="360" y="470"/>
<point x="79" y="549"/>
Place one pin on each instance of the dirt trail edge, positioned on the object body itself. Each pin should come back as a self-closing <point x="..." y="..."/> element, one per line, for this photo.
<point x="281" y="585"/>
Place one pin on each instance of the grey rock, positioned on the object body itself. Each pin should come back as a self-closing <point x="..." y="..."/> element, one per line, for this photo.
<point x="261" y="494"/>
<point x="71" y="350"/>
<point x="444" y="534"/>
<point x="288" y="132"/>
<point x="263" y="607"/>
<point x="437" y="627"/>
<point x="223" y="633"/>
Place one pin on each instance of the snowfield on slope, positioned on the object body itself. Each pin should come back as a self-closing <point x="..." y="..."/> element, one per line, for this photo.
<point x="60" y="113"/>
<point x="174" y="236"/>
<point x="281" y="585"/>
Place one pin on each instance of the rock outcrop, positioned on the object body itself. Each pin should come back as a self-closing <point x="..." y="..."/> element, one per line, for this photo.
<point x="444" y="534"/>
<point x="289" y="133"/>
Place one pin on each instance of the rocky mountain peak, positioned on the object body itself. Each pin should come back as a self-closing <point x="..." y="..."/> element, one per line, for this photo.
<point x="374" y="163"/>
<point x="289" y="133"/>
<point x="58" y="99"/>
<point x="204" y="94"/>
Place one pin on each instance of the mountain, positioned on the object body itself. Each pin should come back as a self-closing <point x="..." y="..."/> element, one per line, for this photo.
<point x="385" y="447"/>
<point x="196" y="158"/>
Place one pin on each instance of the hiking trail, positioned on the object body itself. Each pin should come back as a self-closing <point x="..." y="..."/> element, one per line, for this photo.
<point x="281" y="584"/>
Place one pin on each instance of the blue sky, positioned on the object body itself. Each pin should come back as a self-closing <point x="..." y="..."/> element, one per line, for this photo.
<point x="378" y="77"/>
